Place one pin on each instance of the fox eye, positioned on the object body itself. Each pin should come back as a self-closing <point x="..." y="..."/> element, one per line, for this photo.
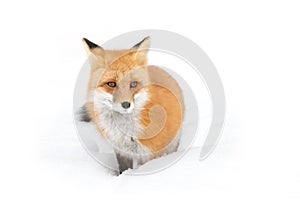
<point x="133" y="84"/>
<point x="111" y="84"/>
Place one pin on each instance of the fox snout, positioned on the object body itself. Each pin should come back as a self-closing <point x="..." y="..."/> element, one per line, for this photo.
<point x="123" y="102"/>
<point x="123" y="107"/>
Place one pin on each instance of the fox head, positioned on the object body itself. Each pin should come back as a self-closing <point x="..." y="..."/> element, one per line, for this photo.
<point x="118" y="77"/>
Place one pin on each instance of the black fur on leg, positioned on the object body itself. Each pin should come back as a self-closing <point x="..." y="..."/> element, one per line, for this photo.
<point x="124" y="163"/>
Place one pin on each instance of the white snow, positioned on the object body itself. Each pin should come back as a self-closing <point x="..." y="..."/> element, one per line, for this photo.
<point x="253" y="44"/>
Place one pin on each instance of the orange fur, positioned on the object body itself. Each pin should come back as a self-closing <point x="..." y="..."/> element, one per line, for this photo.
<point x="168" y="101"/>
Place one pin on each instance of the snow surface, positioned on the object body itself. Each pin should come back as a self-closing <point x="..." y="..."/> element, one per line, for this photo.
<point x="255" y="47"/>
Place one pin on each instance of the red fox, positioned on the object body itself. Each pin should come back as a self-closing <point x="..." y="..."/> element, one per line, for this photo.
<point x="138" y="108"/>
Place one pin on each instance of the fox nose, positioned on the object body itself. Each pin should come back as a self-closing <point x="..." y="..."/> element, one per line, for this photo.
<point x="125" y="105"/>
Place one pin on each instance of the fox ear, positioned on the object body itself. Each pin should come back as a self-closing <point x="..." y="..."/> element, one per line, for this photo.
<point x="92" y="48"/>
<point x="144" y="45"/>
<point x="96" y="54"/>
<point x="142" y="48"/>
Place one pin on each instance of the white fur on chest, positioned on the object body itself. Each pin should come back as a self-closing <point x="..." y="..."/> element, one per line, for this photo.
<point x="123" y="129"/>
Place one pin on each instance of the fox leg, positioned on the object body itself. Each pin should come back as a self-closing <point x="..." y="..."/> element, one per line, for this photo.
<point x="124" y="162"/>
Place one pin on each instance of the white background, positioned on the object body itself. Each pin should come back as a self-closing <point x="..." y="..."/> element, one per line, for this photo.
<point x="253" y="44"/>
